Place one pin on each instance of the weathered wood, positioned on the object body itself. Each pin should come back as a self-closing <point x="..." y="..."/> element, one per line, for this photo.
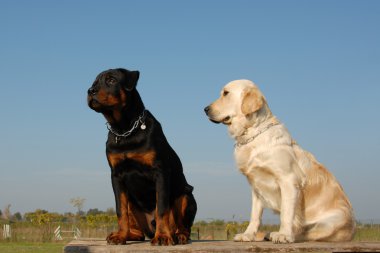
<point x="100" y="246"/>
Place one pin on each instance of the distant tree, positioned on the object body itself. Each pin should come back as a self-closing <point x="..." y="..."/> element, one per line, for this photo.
<point x="7" y="213"/>
<point x="68" y="217"/>
<point x="110" y="211"/>
<point x="33" y="216"/>
<point x="94" y="211"/>
<point x="200" y="223"/>
<point x="78" y="202"/>
<point x="217" y="222"/>
<point x="1" y="213"/>
<point x="41" y="217"/>
<point x="17" y="216"/>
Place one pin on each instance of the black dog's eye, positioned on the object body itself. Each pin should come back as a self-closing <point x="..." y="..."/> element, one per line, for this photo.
<point x="111" y="81"/>
<point x="225" y="93"/>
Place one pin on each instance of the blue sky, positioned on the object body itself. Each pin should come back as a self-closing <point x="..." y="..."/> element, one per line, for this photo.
<point x="317" y="62"/>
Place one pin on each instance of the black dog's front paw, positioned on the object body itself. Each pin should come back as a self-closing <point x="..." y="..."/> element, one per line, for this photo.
<point x="117" y="238"/>
<point x="182" y="239"/>
<point x="162" y="240"/>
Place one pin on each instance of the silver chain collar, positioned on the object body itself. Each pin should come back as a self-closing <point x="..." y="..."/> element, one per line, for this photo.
<point x="141" y="120"/>
<point x="239" y="144"/>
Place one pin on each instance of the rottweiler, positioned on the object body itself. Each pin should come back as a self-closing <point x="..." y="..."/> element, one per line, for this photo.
<point x="152" y="195"/>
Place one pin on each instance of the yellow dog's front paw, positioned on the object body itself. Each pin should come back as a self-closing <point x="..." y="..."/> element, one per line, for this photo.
<point x="244" y="237"/>
<point x="277" y="237"/>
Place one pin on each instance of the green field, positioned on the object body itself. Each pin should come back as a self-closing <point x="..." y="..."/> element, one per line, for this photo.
<point x="23" y="247"/>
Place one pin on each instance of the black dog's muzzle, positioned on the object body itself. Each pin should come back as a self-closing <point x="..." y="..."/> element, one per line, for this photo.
<point x="92" y="91"/>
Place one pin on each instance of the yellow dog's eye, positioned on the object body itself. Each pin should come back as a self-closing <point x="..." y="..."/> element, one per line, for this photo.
<point x="225" y="93"/>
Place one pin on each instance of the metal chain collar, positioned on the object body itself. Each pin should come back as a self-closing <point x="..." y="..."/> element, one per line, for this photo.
<point x="239" y="144"/>
<point x="141" y="120"/>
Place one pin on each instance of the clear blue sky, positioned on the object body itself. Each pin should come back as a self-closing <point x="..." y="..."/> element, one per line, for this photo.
<point x="317" y="62"/>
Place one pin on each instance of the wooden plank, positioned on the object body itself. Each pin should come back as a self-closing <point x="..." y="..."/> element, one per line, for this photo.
<point x="98" y="245"/>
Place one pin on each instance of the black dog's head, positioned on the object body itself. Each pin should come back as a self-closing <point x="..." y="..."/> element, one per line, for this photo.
<point x="111" y="88"/>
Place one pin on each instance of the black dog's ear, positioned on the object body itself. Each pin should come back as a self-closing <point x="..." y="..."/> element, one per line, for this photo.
<point x="130" y="79"/>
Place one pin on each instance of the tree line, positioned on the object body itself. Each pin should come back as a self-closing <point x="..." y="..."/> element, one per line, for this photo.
<point x="41" y="216"/>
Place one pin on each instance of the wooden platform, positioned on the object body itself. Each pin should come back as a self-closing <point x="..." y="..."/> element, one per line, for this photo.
<point x="100" y="246"/>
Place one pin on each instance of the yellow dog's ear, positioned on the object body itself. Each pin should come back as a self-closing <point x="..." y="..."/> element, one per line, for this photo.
<point x="252" y="101"/>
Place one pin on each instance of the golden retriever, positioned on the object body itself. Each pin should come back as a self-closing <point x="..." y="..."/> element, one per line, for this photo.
<point x="283" y="177"/>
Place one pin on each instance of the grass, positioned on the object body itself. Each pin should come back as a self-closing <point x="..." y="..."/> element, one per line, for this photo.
<point x="367" y="234"/>
<point x="28" y="247"/>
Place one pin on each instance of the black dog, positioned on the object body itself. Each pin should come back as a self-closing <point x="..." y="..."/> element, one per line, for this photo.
<point x="151" y="192"/>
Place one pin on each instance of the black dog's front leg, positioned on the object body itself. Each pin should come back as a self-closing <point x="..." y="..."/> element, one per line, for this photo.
<point x="121" y="199"/>
<point x="163" y="235"/>
<point x="128" y="229"/>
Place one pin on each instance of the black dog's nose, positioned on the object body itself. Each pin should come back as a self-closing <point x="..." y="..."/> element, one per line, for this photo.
<point x="91" y="91"/>
<point x="207" y="109"/>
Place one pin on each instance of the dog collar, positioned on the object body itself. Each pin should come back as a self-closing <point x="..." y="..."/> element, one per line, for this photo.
<point x="141" y="119"/>
<point x="239" y="144"/>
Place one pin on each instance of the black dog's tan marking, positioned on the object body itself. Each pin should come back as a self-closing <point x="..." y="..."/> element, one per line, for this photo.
<point x="152" y="195"/>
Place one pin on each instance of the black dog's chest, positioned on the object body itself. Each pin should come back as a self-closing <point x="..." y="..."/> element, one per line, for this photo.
<point x="141" y="190"/>
<point x="136" y="176"/>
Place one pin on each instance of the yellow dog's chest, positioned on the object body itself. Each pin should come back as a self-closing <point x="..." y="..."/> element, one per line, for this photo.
<point x="261" y="179"/>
